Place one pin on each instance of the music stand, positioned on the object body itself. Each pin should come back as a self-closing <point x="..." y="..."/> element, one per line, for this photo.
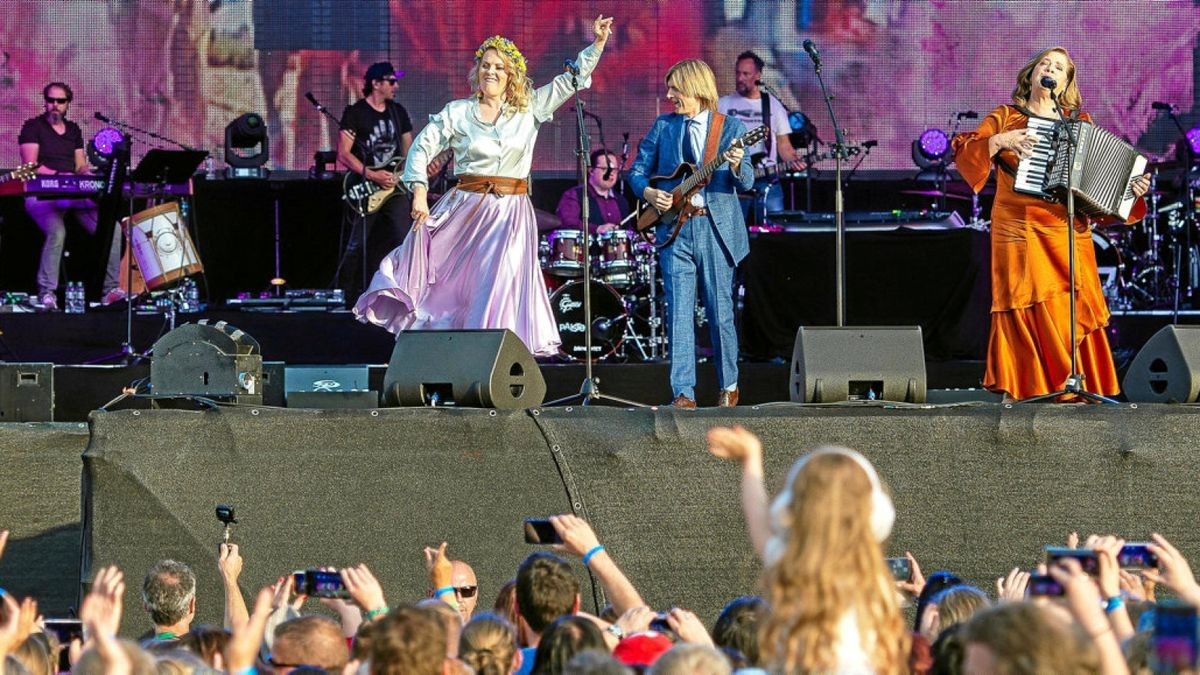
<point x="158" y="168"/>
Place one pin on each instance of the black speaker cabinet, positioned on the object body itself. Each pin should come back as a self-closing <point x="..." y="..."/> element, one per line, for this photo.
<point x="215" y="360"/>
<point x="26" y="392"/>
<point x="1167" y="369"/>
<point x="858" y="363"/>
<point x="473" y="368"/>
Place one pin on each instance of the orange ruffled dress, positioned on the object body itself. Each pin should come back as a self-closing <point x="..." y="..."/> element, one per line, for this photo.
<point x="1031" y="319"/>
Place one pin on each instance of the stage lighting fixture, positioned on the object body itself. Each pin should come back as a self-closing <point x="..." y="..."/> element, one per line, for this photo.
<point x="247" y="147"/>
<point x="1193" y="137"/>
<point x="104" y="146"/>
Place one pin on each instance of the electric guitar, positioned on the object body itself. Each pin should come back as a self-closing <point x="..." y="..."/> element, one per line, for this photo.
<point x="23" y="172"/>
<point x="367" y="196"/>
<point x="685" y="182"/>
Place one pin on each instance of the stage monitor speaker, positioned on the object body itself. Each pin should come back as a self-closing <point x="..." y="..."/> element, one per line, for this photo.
<point x="214" y="361"/>
<point x="1167" y="369"/>
<point x="26" y="392"/>
<point x="858" y="363"/>
<point x="472" y="368"/>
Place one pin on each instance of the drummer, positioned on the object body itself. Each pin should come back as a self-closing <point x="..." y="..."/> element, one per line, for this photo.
<point x="607" y="208"/>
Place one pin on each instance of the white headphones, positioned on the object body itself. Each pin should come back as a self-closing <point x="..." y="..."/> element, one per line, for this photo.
<point x="883" y="512"/>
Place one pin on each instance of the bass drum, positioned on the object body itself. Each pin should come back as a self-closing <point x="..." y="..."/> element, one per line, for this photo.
<point x="608" y="320"/>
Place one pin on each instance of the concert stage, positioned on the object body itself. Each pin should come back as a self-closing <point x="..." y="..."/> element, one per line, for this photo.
<point x="978" y="488"/>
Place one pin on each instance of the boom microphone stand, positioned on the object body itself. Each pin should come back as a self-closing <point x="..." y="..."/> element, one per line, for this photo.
<point x="1074" y="383"/>
<point x="840" y="152"/>
<point x="589" y="392"/>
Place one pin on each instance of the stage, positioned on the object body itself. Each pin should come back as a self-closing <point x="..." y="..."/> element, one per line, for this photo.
<point x="979" y="488"/>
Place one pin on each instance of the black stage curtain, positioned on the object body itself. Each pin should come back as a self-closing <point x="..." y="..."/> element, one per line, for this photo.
<point x="937" y="279"/>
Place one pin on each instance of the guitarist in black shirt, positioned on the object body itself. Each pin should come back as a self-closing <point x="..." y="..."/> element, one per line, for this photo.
<point x="376" y="135"/>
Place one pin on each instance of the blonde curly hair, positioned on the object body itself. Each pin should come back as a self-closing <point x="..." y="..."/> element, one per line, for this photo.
<point x="830" y="565"/>
<point x="1070" y="98"/>
<point x="519" y="90"/>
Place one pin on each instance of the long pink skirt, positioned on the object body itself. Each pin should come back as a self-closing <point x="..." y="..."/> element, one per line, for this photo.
<point x="473" y="264"/>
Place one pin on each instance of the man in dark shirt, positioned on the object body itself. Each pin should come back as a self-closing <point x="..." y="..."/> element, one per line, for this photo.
<point x="374" y="130"/>
<point x="607" y="207"/>
<point x="56" y="144"/>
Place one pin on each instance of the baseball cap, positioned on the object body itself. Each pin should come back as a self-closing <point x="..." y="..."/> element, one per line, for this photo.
<point x="382" y="70"/>
<point x="642" y="649"/>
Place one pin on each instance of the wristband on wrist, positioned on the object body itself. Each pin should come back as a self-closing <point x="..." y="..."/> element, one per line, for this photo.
<point x="248" y="670"/>
<point x="378" y="611"/>
<point x="587" y="557"/>
<point x="1113" y="604"/>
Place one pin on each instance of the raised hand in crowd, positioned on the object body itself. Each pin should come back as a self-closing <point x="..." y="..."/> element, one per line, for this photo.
<point x="688" y="627"/>
<point x="1073" y="540"/>
<point x="1011" y="587"/>
<point x="915" y="582"/>
<point x="739" y="445"/>
<point x="1135" y="587"/>
<point x="366" y="591"/>
<point x="1173" y="571"/>
<point x="1107" y="549"/>
<point x="1084" y="603"/>
<point x="242" y="650"/>
<point x="348" y="613"/>
<point x="441" y="574"/>
<point x="282" y="597"/>
<point x="230" y="565"/>
<point x="101" y="616"/>
<point x="580" y="539"/>
<point x="3" y="542"/>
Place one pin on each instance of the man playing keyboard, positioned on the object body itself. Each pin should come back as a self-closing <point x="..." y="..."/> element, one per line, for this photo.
<point x="56" y="145"/>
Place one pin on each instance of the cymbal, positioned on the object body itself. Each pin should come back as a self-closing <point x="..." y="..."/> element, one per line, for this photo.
<point x="937" y="194"/>
<point x="546" y="220"/>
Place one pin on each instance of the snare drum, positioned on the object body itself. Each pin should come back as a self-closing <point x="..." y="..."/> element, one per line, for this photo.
<point x="564" y="253"/>
<point x="162" y="247"/>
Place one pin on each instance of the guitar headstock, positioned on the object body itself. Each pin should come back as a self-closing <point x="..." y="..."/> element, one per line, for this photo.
<point x="25" y="171"/>
<point x="753" y="136"/>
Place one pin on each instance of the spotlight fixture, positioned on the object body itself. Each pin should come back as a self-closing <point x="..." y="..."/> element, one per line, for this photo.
<point x="104" y="146"/>
<point x="930" y="148"/>
<point x="247" y="147"/>
<point x="1193" y="137"/>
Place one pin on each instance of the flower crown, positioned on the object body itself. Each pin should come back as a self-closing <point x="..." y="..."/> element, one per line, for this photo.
<point x="506" y="47"/>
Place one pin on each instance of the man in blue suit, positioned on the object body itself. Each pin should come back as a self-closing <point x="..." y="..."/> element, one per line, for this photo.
<point x="712" y="241"/>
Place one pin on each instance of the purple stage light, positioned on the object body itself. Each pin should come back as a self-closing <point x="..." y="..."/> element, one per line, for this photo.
<point x="934" y="144"/>
<point x="1193" y="136"/>
<point x="107" y="139"/>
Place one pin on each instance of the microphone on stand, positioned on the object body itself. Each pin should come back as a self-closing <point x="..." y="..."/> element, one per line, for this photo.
<point x="313" y="100"/>
<point x="1048" y="82"/>
<point x="811" y="48"/>
<point x="968" y="114"/>
<point x="608" y="171"/>
<point x="102" y="118"/>
<point x="1159" y="105"/>
<point x="867" y="145"/>
<point x="571" y="66"/>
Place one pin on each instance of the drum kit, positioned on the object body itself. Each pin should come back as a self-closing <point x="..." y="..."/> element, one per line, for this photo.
<point x="626" y="315"/>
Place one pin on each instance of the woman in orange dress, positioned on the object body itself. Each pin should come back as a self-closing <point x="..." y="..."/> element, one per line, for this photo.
<point x="1028" y="351"/>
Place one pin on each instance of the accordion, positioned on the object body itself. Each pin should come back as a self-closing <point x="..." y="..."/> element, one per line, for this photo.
<point x="1099" y="175"/>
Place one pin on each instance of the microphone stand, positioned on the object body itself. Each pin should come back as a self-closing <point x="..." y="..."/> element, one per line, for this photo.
<point x="589" y="391"/>
<point x="362" y="201"/>
<point x="1189" y="220"/>
<point x="1074" y="383"/>
<point x="839" y="213"/>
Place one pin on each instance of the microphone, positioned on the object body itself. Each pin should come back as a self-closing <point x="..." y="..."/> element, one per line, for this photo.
<point x="811" y="48"/>
<point x="1049" y="83"/>
<point x="968" y="114"/>
<point x="1159" y="105"/>
<point x="102" y="118"/>
<point x="601" y="327"/>
<point x="608" y="172"/>
<point x="570" y="66"/>
<point x="867" y="145"/>
<point x="624" y="146"/>
<point x="313" y="100"/>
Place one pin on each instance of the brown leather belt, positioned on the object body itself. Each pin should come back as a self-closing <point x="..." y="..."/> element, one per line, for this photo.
<point x="496" y="185"/>
<point x="700" y="212"/>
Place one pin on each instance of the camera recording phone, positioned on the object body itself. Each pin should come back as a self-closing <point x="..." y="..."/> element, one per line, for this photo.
<point x="901" y="568"/>
<point x="1173" y="646"/>
<point x="65" y="630"/>
<point x="1043" y="586"/>
<point x="320" y="584"/>
<point x="541" y="531"/>
<point x="1085" y="556"/>
<point x="1137" y="555"/>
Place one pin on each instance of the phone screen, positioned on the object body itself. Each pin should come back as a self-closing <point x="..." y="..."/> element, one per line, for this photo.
<point x="65" y="630"/>
<point x="901" y="568"/>
<point x="540" y="531"/>
<point x="321" y="584"/>
<point x="1174" y="645"/>
<point x="1137" y="555"/>
<point x="1043" y="585"/>
<point x="1086" y="557"/>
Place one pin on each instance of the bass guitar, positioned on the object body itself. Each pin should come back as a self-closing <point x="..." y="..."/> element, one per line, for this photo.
<point x="366" y="196"/>
<point x="684" y="183"/>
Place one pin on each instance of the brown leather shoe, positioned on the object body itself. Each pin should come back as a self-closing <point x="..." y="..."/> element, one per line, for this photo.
<point x="682" y="401"/>
<point x="727" y="399"/>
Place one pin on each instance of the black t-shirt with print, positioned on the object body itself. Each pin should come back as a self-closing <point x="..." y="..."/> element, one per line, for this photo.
<point x="379" y="132"/>
<point x="54" y="150"/>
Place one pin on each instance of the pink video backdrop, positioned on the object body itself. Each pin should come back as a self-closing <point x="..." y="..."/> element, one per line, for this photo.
<point x="185" y="68"/>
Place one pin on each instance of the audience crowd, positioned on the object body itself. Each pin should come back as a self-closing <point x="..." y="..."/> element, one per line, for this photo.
<point x="828" y="602"/>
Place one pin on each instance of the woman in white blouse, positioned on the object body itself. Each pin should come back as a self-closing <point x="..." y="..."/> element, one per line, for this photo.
<point x="472" y="261"/>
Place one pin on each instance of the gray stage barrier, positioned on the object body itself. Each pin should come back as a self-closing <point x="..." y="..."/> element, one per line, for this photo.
<point x="39" y="505"/>
<point x="978" y="489"/>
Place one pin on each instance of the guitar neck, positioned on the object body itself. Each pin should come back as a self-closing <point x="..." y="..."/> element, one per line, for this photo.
<point x="702" y="174"/>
